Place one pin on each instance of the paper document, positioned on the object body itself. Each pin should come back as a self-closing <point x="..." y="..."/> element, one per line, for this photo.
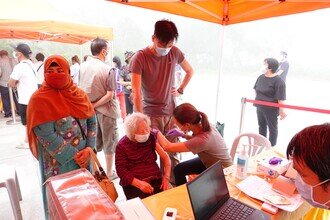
<point x="134" y="209"/>
<point x="265" y="189"/>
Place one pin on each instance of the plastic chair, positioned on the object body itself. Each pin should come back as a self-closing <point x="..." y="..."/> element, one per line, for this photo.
<point x="8" y="179"/>
<point x="256" y="143"/>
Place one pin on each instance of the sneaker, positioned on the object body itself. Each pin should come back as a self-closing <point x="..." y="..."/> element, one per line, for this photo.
<point x="22" y="145"/>
<point x="113" y="176"/>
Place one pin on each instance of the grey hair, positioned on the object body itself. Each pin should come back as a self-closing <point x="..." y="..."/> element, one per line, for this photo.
<point x="131" y="122"/>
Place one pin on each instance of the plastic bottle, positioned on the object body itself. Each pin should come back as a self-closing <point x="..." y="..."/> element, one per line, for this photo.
<point x="242" y="164"/>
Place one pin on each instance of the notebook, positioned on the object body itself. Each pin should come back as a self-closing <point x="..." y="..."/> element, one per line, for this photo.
<point x="209" y="198"/>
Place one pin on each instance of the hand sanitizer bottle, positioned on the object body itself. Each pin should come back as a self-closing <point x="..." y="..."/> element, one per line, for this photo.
<point x="242" y="164"/>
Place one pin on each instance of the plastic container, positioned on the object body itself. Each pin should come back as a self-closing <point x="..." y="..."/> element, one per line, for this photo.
<point x="242" y="164"/>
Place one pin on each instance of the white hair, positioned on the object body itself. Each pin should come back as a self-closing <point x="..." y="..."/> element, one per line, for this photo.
<point x="131" y="122"/>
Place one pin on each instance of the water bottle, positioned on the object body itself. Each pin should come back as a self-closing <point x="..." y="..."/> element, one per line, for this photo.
<point x="242" y="164"/>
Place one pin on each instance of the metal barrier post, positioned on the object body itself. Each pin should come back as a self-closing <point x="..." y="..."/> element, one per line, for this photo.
<point x="241" y="123"/>
<point x="12" y="105"/>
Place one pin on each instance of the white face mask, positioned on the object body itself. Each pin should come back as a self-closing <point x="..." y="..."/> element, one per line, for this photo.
<point x="141" y="138"/>
<point x="162" y="51"/>
<point x="306" y="191"/>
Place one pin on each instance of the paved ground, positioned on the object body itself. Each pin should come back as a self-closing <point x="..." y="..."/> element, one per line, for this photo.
<point x="28" y="173"/>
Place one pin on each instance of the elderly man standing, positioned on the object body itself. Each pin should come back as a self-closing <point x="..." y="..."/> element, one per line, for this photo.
<point x="99" y="83"/>
<point x="25" y="80"/>
<point x="153" y="73"/>
<point x="6" y="68"/>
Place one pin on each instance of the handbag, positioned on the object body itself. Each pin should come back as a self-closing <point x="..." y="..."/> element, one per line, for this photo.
<point x="101" y="178"/>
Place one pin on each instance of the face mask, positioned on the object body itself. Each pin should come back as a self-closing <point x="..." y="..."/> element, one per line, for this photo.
<point x="57" y="80"/>
<point x="306" y="191"/>
<point x="162" y="51"/>
<point x="141" y="138"/>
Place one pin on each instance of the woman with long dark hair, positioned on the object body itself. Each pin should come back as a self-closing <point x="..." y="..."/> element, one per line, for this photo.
<point x="205" y="141"/>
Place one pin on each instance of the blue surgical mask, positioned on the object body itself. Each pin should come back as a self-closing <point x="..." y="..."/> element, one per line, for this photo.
<point x="141" y="138"/>
<point x="162" y="51"/>
<point x="306" y="191"/>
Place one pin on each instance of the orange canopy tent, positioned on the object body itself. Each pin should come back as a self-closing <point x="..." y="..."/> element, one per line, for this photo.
<point x="37" y="20"/>
<point x="226" y="12"/>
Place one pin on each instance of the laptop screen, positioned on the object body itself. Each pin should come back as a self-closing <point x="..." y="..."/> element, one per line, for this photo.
<point x="208" y="191"/>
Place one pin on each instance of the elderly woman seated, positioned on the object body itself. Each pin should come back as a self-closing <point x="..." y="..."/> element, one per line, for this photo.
<point x="136" y="166"/>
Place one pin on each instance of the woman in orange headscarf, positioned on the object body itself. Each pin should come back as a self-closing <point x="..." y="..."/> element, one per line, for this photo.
<point x="61" y="122"/>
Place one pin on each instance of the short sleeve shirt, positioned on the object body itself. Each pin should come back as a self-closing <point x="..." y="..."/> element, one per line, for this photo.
<point x="270" y="89"/>
<point x="25" y="73"/>
<point x="157" y="79"/>
<point x="210" y="147"/>
<point x="285" y="67"/>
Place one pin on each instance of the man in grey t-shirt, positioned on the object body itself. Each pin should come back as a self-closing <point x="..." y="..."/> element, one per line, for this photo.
<point x="283" y="68"/>
<point x="153" y="74"/>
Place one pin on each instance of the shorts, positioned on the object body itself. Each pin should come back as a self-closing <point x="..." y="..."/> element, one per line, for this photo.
<point x="107" y="134"/>
<point x="22" y="112"/>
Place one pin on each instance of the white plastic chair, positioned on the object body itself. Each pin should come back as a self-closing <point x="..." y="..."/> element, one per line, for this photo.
<point x="8" y="179"/>
<point x="255" y="144"/>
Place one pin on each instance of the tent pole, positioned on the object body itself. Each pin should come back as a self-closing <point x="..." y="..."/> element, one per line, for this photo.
<point x="217" y="103"/>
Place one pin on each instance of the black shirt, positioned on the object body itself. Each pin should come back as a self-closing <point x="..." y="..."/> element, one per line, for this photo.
<point x="270" y="89"/>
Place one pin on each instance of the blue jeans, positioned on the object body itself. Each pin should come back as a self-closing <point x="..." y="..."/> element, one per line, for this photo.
<point x="193" y="166"/>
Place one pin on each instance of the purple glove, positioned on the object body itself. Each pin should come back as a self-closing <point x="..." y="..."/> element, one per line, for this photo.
<point x="275" y="161"/>
<point x="175" y="133"/>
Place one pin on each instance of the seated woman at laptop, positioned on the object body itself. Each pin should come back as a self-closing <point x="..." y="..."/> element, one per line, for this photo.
<point x="310" y="152"/>
<point x="136" y="166"/>
<point x="205" y="141"/>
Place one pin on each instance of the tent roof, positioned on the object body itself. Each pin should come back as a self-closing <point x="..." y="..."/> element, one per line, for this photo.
<point x="228" y="12"/>
<point x="37" y="20"/>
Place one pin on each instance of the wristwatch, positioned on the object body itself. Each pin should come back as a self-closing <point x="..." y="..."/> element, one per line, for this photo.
<point x="180" y="91"/>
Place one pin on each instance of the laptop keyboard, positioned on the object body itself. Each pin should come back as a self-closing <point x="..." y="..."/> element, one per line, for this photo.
<point x="234" y="210"/>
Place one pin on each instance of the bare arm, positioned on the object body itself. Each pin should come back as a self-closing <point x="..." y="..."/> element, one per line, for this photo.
<point x="12" y="82"/>
<point x="169" y="146"/>
<point x="282" y="112"/>
<point x="136" y="90"/>
<point x="106" y="98"/>
<point x="166" y="161"/>
<point x="189" y="73"/>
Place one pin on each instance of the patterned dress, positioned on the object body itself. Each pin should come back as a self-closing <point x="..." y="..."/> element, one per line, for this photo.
<point x="58" y="143"/>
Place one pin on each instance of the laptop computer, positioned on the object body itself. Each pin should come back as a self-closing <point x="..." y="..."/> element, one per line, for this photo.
<point x="210" y="199"/>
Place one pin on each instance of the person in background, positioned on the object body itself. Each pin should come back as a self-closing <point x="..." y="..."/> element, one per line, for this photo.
<point x="61" y="123"/>
<point x="125" y="80"/>
<point x="205" y="141"/>
<point x="99" y="83"/>
<point x="270" y="87"/>
<point x="6" y="68"/>
<point x="152" y="71"/>
<point x="283" y="68"/>
<point x="310" y="151"/>
<point x="119" y="89"/>
<point x="25" y="80"/>
<point x="136" y="159"/>
<point x="39" y="65"/>
<point x="74" y="69"/>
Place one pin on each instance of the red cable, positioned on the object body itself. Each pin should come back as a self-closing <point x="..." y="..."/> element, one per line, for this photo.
<point x="325" y="111"/>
